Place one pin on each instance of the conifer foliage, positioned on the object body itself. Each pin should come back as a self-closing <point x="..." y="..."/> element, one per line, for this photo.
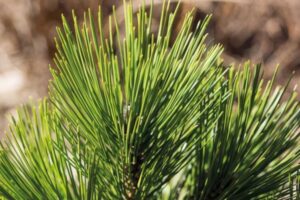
<point x="141" y="117"/>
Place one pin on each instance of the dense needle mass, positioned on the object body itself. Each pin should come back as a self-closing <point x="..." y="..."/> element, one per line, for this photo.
<point x="141" y="117"/>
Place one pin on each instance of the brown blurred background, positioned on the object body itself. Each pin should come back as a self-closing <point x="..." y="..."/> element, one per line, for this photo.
<point x="264" y="31"/>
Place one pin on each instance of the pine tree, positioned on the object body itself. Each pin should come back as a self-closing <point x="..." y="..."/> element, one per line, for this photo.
<point x="141" y="117"/>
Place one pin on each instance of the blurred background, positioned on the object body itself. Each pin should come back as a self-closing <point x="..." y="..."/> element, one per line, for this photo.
<point x="264" y="31"/>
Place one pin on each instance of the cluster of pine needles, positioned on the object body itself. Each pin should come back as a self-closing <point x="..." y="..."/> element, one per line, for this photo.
<point x="144" y="116"/>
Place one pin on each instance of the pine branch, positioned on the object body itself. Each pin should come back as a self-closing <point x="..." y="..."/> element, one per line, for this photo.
<point x="253" y="149"/>
<point x="36" y="163"/>
<point x="141" y="117"/>
<point x="142" y="101"/>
